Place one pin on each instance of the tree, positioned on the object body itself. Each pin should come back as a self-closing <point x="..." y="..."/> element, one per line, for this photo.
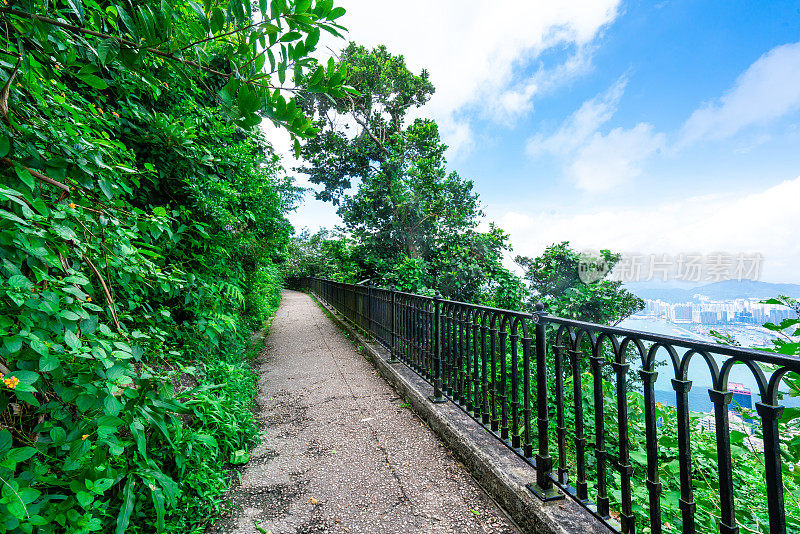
<point x="555" y="278"/>
<point x="415" y="222"/>
<point x="325" y="254"/>
<point x="142" y="221"/>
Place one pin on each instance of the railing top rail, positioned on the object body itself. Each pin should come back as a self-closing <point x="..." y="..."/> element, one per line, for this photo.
<point x="791" y="362"/>
<point x="512" y="313"/>
<point x="404" y="293"/>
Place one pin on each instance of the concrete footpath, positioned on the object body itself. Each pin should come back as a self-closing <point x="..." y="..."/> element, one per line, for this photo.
<point x="340" y="451"/>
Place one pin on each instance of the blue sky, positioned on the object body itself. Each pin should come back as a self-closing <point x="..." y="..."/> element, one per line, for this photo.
<point x="643" y="127"/>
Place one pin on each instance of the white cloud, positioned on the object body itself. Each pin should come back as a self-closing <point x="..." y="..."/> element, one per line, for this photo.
<point x="608" y="161"/>
<point x="581" y="125"/>
<point x="475" y="51"/>
<point x="767" y="90"/>
<point x="312" y="213"/>
<point x="517" y="99"/>
<point x="594" y="161"/>
<point x="762" y="221"/>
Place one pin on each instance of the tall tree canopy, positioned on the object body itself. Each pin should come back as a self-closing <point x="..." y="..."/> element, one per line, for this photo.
<point x="555" y="279"/>
<point x="415" y="222"/>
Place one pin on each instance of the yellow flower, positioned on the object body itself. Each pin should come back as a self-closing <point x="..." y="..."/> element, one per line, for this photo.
<point x="84" y="437"/>
<point x="88" y="299"/>
<point x="1" y="376"/>
<point x="72" y="205"/>
<point x="12" y="382"/>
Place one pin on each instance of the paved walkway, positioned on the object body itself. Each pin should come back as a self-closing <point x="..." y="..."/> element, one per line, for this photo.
<point x="340" y="452"/>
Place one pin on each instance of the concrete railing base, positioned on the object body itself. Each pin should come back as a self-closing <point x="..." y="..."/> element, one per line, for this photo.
<point x="499" y="471"/>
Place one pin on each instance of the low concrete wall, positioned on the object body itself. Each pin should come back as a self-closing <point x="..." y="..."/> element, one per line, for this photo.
<point x="497" y="469"/>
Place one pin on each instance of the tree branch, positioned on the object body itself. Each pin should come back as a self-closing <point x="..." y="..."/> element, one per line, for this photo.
<point x="365" y="126"/>
<point x="237" y="30"/>
<point x="39" y="176"/>
<point x="107" y="293"/>
<point x="129" y="44"/>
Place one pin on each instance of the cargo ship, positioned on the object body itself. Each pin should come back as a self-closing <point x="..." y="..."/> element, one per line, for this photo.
<point x="742" y="399"/>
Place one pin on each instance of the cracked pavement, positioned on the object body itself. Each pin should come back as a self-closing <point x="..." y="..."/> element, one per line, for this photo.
<point x="340" y="452"/>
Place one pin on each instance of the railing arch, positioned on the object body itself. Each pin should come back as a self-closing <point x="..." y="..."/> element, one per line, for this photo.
<point x="499" y="365"/>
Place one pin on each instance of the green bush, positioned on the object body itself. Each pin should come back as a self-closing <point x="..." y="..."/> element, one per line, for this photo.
<point x="142" y="232"/>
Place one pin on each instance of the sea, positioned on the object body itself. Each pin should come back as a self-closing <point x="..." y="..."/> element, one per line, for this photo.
<point x="699" y="373"/>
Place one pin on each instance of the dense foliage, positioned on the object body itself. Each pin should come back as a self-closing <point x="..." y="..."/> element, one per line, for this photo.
<point x="413" y="223"/>
<point x="574" y="285"/>
<point x="142" y="230"/>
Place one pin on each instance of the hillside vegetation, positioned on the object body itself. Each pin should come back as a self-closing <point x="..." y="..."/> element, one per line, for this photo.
<point x="142" y="228"/>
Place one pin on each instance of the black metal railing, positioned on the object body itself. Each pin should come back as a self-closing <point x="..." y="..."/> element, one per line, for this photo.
<point x="518" y="373"/>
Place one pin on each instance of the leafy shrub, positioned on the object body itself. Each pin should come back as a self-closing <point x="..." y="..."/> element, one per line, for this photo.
<point x="142" y="228"/>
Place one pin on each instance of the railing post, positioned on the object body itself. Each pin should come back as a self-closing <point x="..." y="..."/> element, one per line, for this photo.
<point x="770" y="415"/>
<point x="686" y="501"/>
<point x="369" y="307"/>
<point x="543" y="488"/>
<point x="393" y="327"/>
<point x="437" y="350"/>
<point x="721" y="400"/>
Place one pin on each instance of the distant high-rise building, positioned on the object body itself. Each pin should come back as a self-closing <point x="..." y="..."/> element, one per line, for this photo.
<point x="778" y="315"/>
<point x="682" y="313"/>
<point x="708" y="317"/>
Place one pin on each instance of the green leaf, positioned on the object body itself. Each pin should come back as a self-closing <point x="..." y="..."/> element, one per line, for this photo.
<point x="58" y="435"/>
<point x="13" y="218"/>
<point x="137" y="429"/>
<point x="240" y="457"/>
<point x="20" y="454"/>
<point x="12" y="344"/>
<point x="199" y="11"/>
<point x="312" y="39"/>
<point x="217" y="20"/>
<point x="158" y="503"/>
<point x="107" y="50"/>
<point x="5" y="441"/>
<point x="105" y="186"/>
<point x="49" y="363"/>
<point x="76" y="279"/>
<point x="336" y="13"/>
<point x="25" y="176"/>
<point x="109" y="420"/>
<point x="84" y="499"/>
<point x="19" y="281"/>
<point x="129" y="498"/>
<point x="127" y="21"/>
<point x="112" y="405"/>
<point x="93" y="81"/>
<point x="101" y="485"/>
<point x="5" y="145"/>
<point x="70" y="316"/>
<point x="77" y="7"/>
<point x="71" y="339"/>
<point x="89" y="326"/>
<point x="290" y="36"/>
<point x="248" y="100"/>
